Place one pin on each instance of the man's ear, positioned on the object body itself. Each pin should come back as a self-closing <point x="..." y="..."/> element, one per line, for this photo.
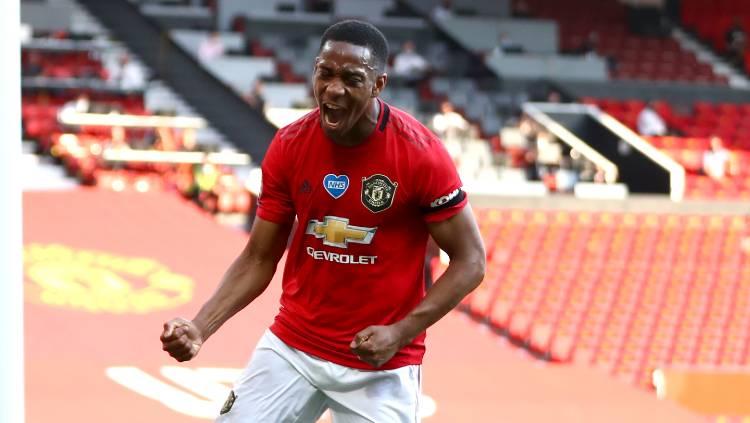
<point x="380" y="83"/>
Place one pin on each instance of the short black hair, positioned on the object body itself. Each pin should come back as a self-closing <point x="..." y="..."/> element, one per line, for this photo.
<point x="359" y="33"/>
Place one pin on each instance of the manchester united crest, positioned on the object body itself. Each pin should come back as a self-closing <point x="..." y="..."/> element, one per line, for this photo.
<point x="378" y="192"/>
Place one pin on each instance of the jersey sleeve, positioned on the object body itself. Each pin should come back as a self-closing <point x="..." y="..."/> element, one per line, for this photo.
<point x="275" y="201"/>
<point x="441" y="195"/>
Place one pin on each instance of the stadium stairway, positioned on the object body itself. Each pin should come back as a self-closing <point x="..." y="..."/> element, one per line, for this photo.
<point x="637" y="168"/>
<point x="217" y="102"/>
<point x="41" y="173"/>
<point x="720" y="67"/>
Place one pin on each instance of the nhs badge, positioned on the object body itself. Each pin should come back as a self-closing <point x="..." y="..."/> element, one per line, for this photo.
<point x="336" y="185"/>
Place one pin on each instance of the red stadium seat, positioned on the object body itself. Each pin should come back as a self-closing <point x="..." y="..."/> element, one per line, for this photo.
<point x="624" y="292"/>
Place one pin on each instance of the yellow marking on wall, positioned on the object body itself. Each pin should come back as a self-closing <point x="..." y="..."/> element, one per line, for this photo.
<point x="99" y="282"/>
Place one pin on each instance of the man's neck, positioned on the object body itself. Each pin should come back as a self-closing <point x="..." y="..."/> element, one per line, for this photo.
<point x="364" y="127"/>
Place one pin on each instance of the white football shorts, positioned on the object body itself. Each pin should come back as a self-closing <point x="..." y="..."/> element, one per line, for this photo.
<point x="284" y="385"/>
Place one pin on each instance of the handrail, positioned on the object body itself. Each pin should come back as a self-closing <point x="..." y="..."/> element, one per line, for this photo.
<point x="188" y="157"/>
<point x="609" y="168"/>
<point x="71" y="117"/>
<point x="676" y="171"/>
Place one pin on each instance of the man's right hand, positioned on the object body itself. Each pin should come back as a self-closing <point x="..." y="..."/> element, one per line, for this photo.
<point x="181" y="339"/>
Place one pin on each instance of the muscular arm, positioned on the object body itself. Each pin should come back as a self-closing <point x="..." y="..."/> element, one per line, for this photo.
<point x="459" y="237"/>
<point x="247" y="278"/>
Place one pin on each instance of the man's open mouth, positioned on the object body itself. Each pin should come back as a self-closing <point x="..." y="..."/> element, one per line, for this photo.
<point x="333" y="115"/>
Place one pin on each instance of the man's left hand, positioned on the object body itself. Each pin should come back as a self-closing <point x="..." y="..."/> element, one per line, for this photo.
<point x="376" y="345"/>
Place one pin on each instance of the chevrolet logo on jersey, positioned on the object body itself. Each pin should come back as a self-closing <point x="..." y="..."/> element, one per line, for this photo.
<point x="336" y="232"/>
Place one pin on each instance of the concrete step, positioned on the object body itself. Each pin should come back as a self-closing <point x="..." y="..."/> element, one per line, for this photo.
<point x="28" y="147"/>
<point x="40" y="173"/>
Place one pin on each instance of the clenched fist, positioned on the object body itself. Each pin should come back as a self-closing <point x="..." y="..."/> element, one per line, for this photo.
<point x="181" y="339"/>
<point x="376" y="345"/>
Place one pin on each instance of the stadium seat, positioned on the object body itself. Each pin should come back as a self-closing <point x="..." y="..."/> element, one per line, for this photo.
<point x="637" y="57"/>
<point x="621" y="291"/>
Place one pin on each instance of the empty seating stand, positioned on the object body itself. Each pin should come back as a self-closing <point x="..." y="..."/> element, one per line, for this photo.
<point x="730" y="122"/>
<point x="624" y="292"/>
<point x="712" y="19"/>
<point x="632" y="56"/>
<point x="65" y="64"/>
<point x="80" y="149"/>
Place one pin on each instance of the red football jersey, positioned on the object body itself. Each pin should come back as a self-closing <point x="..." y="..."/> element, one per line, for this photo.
<point x="356" y="258"/>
